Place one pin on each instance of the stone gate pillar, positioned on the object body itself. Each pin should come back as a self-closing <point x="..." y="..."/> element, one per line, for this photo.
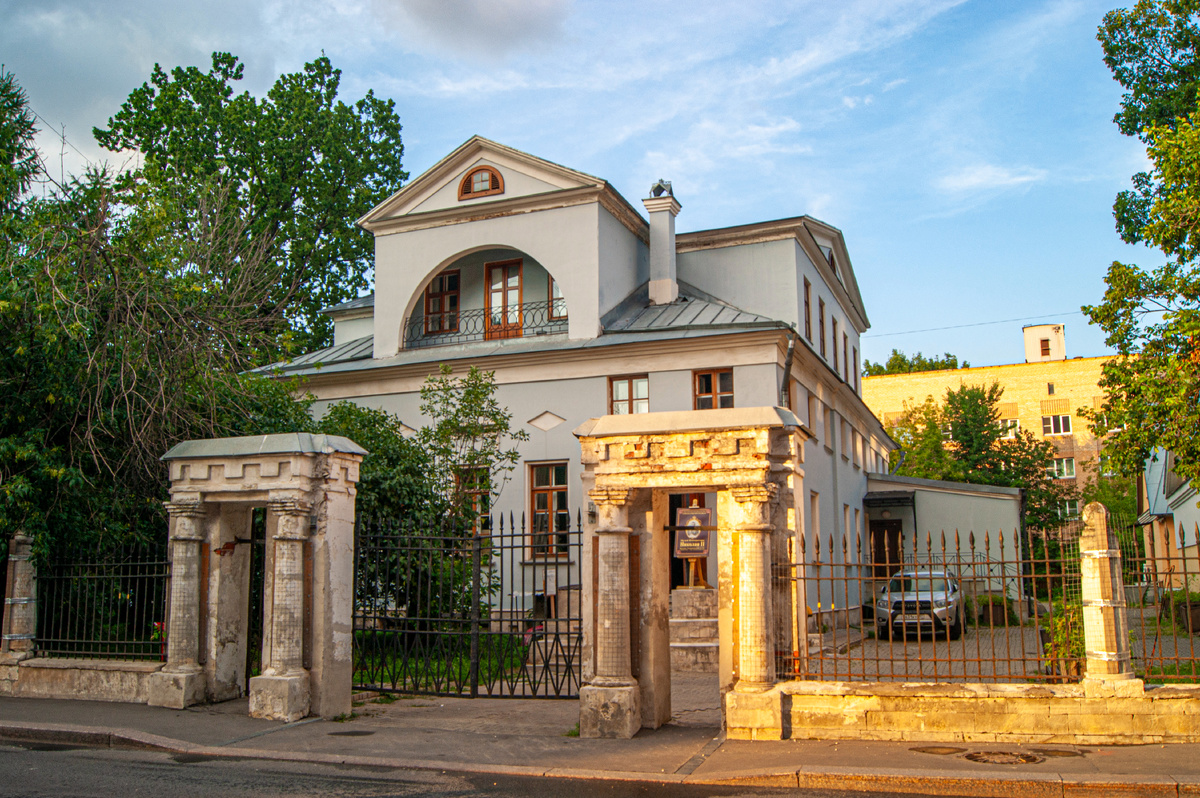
<point x="1105" y="627"/>
<point x="307" y="482"/>
<point x="20" y="611"/>
<point x="181" y="681"/>
<point x="756" y="660"/>
<point x="611" y="705"/>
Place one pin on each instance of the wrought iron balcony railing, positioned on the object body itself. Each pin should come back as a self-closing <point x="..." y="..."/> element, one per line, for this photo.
<point x="465" y="326"/>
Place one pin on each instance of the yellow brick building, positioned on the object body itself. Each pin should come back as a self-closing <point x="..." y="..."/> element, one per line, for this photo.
<point x="1043" y="395"/>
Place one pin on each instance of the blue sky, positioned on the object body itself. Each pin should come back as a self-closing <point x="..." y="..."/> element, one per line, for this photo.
<point x="965" y="149"/>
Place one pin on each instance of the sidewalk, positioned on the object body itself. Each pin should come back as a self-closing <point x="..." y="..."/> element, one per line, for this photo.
<point x="529" y="737"/>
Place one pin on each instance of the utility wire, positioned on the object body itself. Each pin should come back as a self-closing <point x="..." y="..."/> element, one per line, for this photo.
<point x="975" y="324"/>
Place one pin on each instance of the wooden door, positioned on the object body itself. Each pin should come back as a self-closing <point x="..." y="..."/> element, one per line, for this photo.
<point x="503" y="300"/>
<point x="885" y="547"/>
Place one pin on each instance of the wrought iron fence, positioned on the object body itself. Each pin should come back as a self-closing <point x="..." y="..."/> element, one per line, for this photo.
<point x="464" y="326"/>
<point x="104" y="603"/>
<point x="938" y="608"/>
<point x="495" y="614"/>
<point x="1162" y="599"/>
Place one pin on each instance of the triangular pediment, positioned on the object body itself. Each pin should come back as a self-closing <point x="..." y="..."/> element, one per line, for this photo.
<point x="437" y="190"/>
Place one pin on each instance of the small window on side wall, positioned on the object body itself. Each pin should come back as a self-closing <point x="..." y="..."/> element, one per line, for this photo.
<point x="558" y="305"/>
<point x="712" y="389"/>
<point x="481" y="182"/>
<point x="627" y="395"/>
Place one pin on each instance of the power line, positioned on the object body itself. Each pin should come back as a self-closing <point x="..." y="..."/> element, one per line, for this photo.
<point x="975" y="324"/>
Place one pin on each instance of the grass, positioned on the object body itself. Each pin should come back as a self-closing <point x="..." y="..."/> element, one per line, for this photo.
<point x="1172" y="674"/>
<point x="435" y="661"/>
<point x="573" y="732"/>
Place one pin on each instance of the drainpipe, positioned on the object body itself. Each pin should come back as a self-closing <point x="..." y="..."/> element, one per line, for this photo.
<point x="785" y="391"/>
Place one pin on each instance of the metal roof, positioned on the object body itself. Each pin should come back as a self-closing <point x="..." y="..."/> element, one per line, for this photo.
<point x="367" y="301"/>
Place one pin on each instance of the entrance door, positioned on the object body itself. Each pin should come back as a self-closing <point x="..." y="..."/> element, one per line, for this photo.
<point x="885" y="547"/>
<point x="504" y="300"/>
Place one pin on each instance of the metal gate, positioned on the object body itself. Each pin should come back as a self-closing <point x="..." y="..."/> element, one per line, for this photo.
<point x="493" y="614"/>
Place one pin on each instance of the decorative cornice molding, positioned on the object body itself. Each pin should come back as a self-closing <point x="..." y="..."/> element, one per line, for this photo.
<point x="754" y="493"/>
<point x="192" y="508"/>
<point x="289" y="507"/>
<point x="613" y="496"/>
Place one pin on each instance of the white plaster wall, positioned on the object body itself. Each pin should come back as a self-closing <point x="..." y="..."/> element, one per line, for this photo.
<point x="760" y="278"/>
<point x="624" y="261"/>
<point x="352" y="329"/>
<point x="563" y="240"/>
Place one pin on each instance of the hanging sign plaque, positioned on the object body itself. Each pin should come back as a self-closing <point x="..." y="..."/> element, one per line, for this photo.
<point x="693" y="529"/>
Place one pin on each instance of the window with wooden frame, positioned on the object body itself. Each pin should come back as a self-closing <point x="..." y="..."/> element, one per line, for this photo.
<point x="712" y="389"/>
<point x="857" y="372"/>
<point x="441" y="303"/>
<point x="846" y="357"/>
<point x="474" y="486"/>
<point x="558" y="305"/>
<point x="627" y="395"/>
<point x="808" y="310"/>
<point x="551" y="517"/>
<point x="481" y="182"/>
<point x="503" y="318"/>
<point x="835" y="349"/>
<point x="821" y="323"/>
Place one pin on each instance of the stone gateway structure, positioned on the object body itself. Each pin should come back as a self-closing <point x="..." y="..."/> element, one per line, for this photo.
<point x="307" y="485"/>
<point x="753" y="459"/>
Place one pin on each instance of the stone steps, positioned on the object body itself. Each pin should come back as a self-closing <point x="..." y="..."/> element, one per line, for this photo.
<point x="694" y="636"/>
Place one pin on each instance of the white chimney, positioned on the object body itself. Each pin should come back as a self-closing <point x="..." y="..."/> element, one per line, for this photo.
<point x="662" y="207"/>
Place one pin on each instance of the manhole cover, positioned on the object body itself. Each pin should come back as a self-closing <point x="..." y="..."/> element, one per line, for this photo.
<point x="1003" y="758"/>
<point x="939" y="750"/>
<point x="354" y="733"/>
<point x="1055" y="752"/>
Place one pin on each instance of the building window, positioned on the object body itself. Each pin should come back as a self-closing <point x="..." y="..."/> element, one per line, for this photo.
<point x="441" y="303"/>
<point x="712" y="389"/>
<point x="1045" y="347"/>
<point x="846" y="356"/>
<point x="835" y="349"/>
<point x="475" y="486"/>
<point x="503" y="318"/>
<point x="856" y="369"/>
<point x="558" y="305"/>
<point x="1056" y="425"/>
<point x="551" y="518"/>
<point x="481" y="182"/>
<point x="1050" y="389"/>
<point x="628" y="395"/>
<point x="808" y="310"/>
<point x="1068" y="509"/>
<point x="821" y="323"/>
<point x="1009" y="427"/>
<point x="1063" y="468"/>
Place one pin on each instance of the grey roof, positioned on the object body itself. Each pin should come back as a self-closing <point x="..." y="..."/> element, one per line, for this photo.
<point x="686" y="313"/>
<point x="875" y="482"/>
<point x="358" y="349"/>
<point x="283" y="443"/>
<point x="367" y="301"/>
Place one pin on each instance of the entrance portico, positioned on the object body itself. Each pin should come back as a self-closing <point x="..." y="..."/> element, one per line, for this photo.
<point x="752" y="458"/>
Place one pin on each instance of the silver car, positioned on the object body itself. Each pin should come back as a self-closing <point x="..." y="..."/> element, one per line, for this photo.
<point x="916" y="600"/>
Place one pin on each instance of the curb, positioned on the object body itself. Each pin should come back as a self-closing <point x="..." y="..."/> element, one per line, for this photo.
<point x="983" y="784"/>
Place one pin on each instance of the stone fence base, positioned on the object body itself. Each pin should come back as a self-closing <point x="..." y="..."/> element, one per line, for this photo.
<point x="1094" y="712"/>
<point x="90" y="679"/>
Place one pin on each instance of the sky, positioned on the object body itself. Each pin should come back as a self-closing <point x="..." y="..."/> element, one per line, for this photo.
<point x="966" y="150"/>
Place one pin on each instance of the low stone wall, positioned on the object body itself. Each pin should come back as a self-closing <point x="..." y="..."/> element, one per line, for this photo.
<point x="91" y="679"/>
<point x="1094" y="712"/>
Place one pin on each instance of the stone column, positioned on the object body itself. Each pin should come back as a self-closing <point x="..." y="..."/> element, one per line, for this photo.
<point x="611" y="705"/>
<point x="756" y="660"/>
<point x="181" y="681"/>
<point x="282" y="692"/>
<point x="20" y="610"/>
<point x="1105" y="627"/>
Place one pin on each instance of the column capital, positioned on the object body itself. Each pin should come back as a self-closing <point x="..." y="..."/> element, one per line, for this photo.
<point x="186" y="508"/>
<point x="289" y="506"/>
<point x="614" y="496"/>
<point x="744" y="494"/>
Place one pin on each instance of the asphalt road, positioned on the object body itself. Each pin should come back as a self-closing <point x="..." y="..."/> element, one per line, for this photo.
<point x="47" y="770"/>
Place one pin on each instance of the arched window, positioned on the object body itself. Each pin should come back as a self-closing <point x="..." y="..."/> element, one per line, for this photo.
<point x="480" y="182"/>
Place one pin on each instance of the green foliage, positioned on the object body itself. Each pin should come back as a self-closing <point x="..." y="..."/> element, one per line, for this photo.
<point x="470" y="439"/>
<point x="1066" y="649"/>
<point x="981" y="612"/>
<point x="1153" y="50"/>
<point x="900" y="363"/>
<point x="304" y="166"/>
<point x="960" y="440"/>
<point x="394" y="479"/>
<point x="18" y="156"/>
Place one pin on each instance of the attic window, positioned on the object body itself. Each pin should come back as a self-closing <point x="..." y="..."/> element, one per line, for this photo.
<point x="481" y="182"/>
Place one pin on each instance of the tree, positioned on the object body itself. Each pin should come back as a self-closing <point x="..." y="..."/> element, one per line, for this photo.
<point x="1151" y="316"/>
<point x="301" y="164"/>
<point x="470" y="440"/>
<point x="18" y="156"/>
<point x="900" y="363"/>
<point x="961" y="440"/>
<point x="1153" y="50"/>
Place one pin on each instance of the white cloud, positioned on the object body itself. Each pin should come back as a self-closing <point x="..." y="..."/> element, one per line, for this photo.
<point x="478" y="30"/>
<point x="986" y="177"/>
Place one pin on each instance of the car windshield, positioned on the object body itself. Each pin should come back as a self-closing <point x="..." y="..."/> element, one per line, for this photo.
<point x="918" y="584"/>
